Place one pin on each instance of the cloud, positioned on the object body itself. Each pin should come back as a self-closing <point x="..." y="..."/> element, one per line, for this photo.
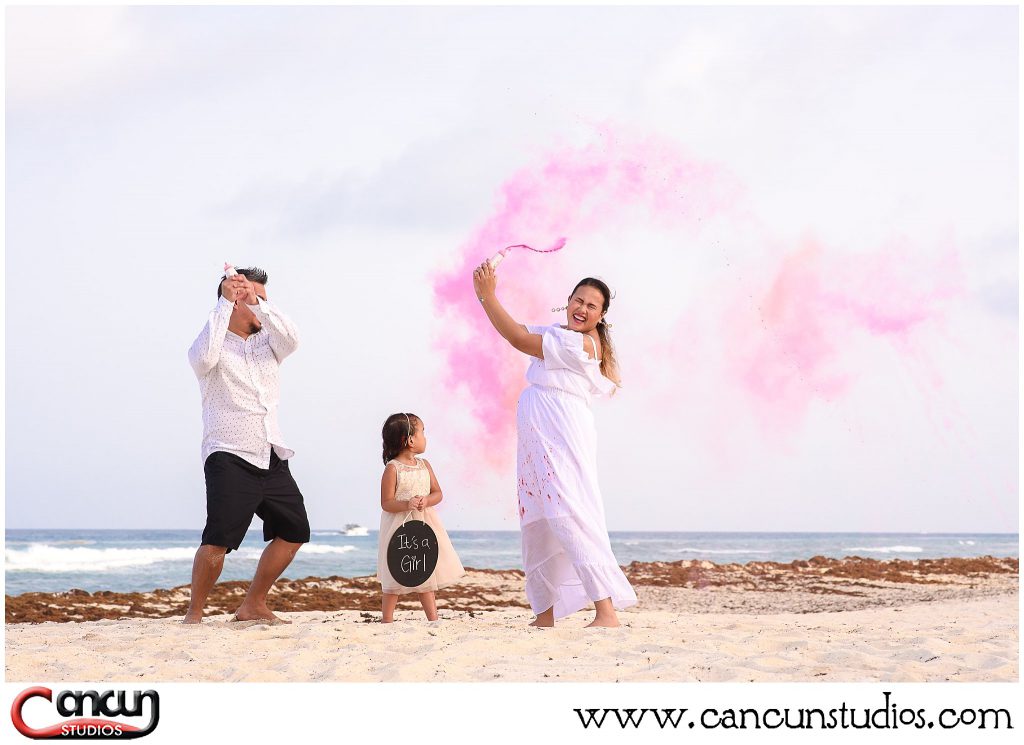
<point x="58" y="53"/>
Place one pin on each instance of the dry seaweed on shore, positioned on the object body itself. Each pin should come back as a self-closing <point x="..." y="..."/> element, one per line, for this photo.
<point x="489" y="589"/>
<point x="287" y="596"/>
<point x="818" y="573"/>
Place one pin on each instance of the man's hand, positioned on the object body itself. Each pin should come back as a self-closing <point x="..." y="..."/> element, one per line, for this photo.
<point x="236" y="287"/>
<point x="250" y="292"/>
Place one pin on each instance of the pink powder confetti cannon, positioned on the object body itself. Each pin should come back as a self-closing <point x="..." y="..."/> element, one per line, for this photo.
<point x="229" y="270"/>
<point x="498" y="257"/>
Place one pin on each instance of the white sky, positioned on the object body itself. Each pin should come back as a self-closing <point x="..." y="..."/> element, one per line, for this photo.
<point x="351" y="151"/>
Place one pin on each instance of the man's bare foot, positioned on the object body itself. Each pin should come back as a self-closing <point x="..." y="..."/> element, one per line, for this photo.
<point x="257" y="614"/>
<point x="193" y="617"/>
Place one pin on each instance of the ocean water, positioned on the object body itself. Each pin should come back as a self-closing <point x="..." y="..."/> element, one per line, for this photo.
<point x="142" y="560"/>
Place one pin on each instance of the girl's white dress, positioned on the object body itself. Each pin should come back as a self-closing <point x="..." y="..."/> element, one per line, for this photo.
<point x="566" y="551"/>
<point x="414" y="481"/>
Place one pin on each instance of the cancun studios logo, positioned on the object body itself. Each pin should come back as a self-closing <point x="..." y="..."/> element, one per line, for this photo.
<point x="105" y="704"/>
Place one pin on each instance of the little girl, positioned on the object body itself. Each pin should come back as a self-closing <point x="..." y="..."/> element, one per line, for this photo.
<point x="409" y="490"/>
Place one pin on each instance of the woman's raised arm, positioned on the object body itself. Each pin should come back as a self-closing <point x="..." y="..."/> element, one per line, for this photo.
<point x="485" y="283"/>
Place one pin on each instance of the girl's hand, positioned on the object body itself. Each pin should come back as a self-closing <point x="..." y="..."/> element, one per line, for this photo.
<point x="485" y="281"/>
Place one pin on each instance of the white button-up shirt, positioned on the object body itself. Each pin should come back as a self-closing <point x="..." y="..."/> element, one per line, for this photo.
<point x="239" y="383"/>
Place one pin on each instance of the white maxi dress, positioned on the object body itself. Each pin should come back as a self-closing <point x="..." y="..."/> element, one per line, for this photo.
<point x="567" y="555"/>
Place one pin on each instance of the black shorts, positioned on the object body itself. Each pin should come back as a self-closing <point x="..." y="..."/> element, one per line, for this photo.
<point x="236" y="490"/>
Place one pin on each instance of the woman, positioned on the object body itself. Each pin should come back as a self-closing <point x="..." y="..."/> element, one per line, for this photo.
<point x="566" y="552"/>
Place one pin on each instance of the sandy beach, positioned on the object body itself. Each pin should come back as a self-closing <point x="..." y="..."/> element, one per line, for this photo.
<point x="824" y="619"/>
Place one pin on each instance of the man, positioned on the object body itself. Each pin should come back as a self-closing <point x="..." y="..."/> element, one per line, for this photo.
<point x="236" y="358"/>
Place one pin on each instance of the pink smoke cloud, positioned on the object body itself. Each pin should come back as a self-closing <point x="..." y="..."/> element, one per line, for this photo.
<point x="794" y="342"/>
<point x="574" y="192"/>
<point x="763" y="337"/>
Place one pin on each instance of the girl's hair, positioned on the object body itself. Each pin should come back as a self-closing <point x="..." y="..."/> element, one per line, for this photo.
<point x="395" y="433"/>
<point x="609" y="365"/>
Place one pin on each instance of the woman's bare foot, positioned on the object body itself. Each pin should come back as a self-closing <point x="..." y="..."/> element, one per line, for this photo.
<point x="545" y="619"/>
<point x="193" y="616"/>
<point x="260" y="613"/>
<point x="605" y="617"/>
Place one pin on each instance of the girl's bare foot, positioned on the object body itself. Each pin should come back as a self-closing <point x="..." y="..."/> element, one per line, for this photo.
<point x="387" y="610"/>
<point x="429" y="605"/>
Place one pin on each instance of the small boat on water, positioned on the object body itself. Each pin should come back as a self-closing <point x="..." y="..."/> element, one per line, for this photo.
<point x="355" y="529"/>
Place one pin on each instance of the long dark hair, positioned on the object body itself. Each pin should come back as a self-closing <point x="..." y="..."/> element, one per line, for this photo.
<point x="609" y="365"/>
<point x="395" y="433"/>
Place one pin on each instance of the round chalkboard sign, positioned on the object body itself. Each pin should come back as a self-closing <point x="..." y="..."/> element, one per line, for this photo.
<point x="412" y="553"/>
